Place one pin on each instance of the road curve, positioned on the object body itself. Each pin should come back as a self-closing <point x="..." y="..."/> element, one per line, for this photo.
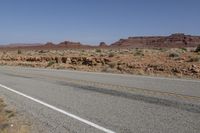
<point x="73" y="101"/>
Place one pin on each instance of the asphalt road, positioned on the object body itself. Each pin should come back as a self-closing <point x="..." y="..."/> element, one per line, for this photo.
<point x="61" y="101"/>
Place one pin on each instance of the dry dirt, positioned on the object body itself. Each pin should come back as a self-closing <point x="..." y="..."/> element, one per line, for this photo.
<point x="9" y="123"/>
<point x="178" y="62"/>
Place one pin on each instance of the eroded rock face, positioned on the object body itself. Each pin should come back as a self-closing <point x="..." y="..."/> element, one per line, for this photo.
<point x="174" y="40"/>
<point x="88" y="61"/>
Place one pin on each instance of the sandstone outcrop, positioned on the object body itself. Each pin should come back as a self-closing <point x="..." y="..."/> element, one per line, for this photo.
<point x="173" y="41"/>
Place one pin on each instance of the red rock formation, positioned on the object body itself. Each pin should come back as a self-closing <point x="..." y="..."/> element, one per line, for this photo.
<point x="174" y="40"/>
<point x="69" y="44"/>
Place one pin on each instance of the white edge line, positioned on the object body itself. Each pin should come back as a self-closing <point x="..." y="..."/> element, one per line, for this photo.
<point x="59" y="110"/>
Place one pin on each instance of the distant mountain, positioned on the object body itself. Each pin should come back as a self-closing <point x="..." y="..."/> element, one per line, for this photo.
<point x="174" y="40"/>
<point x="48" y="45"/>
<point x="70" y="44"/>
<point x="24" y="44"/>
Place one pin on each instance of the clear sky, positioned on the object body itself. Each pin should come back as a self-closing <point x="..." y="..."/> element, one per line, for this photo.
<point x="92" y="21"/>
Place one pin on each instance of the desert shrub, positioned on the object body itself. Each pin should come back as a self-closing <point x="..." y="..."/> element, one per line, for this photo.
<point x="194" y="59"/>
<point x="4" y="52"/>
<point x="111" y="55"/>
<point x="184" y="49"/>
<point x="19" y="51"/>
<point x="110" y="50"/>
<point x="50" y="63"/>
<point x="112" y="65"/>
<point x="198" y="48"/>
<point x="158" y="49"/>
<point x="162" y="49"/>
<point x="98" y="50"/>
<point x="41" y="51"/>
<point x="138" y="53"/>
<point x="173" y="55"/>
<point x="121" y="52"/>
<point x="102" y="55"/>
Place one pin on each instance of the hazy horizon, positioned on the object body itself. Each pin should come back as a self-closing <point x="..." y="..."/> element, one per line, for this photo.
<point x="16" y="43"/>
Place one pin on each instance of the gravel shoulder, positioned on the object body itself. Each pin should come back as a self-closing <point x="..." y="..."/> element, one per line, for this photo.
<point x="12" y="121"/>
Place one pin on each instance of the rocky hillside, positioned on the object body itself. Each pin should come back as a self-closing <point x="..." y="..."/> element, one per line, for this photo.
<point x="177" y="62"/>
<point x="173" y="41"/>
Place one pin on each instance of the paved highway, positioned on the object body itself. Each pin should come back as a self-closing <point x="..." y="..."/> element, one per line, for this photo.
<point x="61" y="101"/>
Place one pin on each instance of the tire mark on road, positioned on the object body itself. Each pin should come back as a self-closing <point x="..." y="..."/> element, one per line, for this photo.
<point x="152" y="100"/>
<point x="108" y="85"/>
<point x="106" y="89"/>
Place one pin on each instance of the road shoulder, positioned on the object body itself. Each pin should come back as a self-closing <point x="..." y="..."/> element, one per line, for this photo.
<point x="11" y="121"/>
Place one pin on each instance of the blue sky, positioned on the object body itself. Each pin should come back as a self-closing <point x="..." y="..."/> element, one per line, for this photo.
<point x="93" y="21"/>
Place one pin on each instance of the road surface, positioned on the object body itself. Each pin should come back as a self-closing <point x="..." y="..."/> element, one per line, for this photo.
<point x="61" y="101"/>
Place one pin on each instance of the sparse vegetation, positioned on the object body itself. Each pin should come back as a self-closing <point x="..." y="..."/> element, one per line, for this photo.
<point x="111" y="55"/>
<point x="138" y="53"/>
<point x="98" y="50"/>
<point x="132" y="61"/>
<point x="50" y="63"/>
<point x="198" y="48"/>
<point x="41" y="51"/>
<point x="173" y="55"/>
<point x="19" y="51"/>
<point x="184" y="49"/>
<point x="194" y="59"/>
<point x="112" y="64"/>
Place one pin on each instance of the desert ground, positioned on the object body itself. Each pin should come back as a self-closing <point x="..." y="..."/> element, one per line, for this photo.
<point x="9" y="120"/>
<point x="167" y="62"/>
